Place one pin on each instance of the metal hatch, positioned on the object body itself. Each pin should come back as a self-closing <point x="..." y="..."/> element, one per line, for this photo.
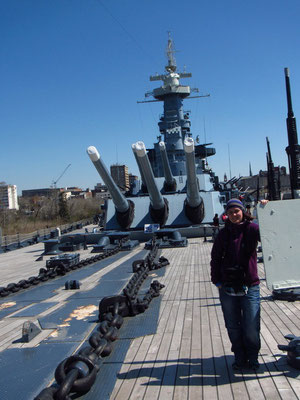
<point x="279" y="223"/>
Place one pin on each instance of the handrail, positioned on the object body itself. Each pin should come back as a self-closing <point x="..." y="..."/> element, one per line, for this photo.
<point x="37" y="235"/>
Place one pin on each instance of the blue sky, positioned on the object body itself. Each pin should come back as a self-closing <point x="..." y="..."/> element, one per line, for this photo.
<point x="72" y="72"/>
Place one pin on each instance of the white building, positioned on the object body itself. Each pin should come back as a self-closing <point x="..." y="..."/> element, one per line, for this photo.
<point x="8" y="197"/>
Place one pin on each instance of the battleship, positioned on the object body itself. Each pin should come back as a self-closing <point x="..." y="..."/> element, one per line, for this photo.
<point x="128" y="311"/>
<point x="178" y="188"/>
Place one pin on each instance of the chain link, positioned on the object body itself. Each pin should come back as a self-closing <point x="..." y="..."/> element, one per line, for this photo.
<point x="77" y="373"/>
<point x="51" y="273"/>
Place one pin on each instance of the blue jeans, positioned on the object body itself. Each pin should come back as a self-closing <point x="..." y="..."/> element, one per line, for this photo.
<point x="242" y="320"/>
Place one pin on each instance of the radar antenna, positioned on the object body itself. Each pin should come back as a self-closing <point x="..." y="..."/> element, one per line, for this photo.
<point x="171" y="67"/>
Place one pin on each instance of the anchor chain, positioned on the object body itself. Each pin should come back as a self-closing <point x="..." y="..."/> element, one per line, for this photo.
<point x="77" y="373"/>
<point x="51" y="273"/>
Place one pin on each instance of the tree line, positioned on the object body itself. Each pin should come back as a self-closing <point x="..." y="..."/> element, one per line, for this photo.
<point x="41" y="212"/>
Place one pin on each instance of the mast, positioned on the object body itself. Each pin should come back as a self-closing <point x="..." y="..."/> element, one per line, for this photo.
<point x="170" y="55"/>
<point x="174" y="124"/>
<point x="293" y="149"/>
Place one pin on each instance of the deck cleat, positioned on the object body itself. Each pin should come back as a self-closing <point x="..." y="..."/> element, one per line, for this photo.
<point x="293" y="350"/>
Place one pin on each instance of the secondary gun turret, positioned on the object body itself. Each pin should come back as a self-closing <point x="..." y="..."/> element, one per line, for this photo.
<point x="124" y="207"/>
<point x="159" y="209"/>
<point x="194" y="207"/>
<point x="170" y="181"/>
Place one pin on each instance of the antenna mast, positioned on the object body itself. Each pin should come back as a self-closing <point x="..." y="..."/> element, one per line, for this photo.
<point x="171" y="67"/>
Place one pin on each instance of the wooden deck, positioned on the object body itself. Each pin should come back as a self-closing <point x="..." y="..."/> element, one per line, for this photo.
<point x="23" y="263"/>
<point x="189" y="356"/>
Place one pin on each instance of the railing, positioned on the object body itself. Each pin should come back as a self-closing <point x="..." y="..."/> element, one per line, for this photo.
<point x="19" y="240"/>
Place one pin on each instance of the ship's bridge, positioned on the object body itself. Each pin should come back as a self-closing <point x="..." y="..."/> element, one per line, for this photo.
<point x="162" y="91"/>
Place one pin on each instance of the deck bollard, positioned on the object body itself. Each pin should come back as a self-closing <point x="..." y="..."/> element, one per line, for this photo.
<point x="29" y="331"/>
<point x="293" y="350"/>
<point x="71" y="285"/>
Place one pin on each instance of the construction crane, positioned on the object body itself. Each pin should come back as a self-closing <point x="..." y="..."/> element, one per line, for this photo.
<point x="55" y="182"/>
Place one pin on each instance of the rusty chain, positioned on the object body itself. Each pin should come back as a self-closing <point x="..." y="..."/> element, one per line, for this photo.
<point x="77" y="373"/>
<point x="51" y="273"/>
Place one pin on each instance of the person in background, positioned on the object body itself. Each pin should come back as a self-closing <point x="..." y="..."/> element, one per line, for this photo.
<point x="234" y="272"/>
<point x="216" y="225"/>
<point x="216" y="220"/>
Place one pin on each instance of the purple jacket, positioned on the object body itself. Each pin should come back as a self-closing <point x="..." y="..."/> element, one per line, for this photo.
<point x="227" y="251"/>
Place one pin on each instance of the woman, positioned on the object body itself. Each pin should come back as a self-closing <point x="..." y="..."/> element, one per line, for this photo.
<point x="234" y="272"/>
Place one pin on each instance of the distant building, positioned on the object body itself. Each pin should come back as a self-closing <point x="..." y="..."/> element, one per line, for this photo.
<point x="120" y="175"/>
<point x="8" y="197"/>
<point x="69" y="192"/>
<point x="100" y="191"/>
<point x="74" y="190"/>
<point x="45" y="192"/>
<point x="125" y="181"/>
<point x="133" y="179"/>
<point x="134" y="184"/>
<point x="78" y="192"/>
<point x="83" y="194"/>
<point x="250" y="183"/>
<point x="100" y="188"/>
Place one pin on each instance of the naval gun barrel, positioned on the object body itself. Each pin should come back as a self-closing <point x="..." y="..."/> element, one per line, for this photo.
<point x="293" y="149"/>
<point x="194" y="207"/>
<point x="158" y="205"/>
<point x="235" y="180"/>
<point x="231" y="181"/>
<point x="170" y="182"/>
<point x="144" y="186"/>
<point x="193" y="195"/>
<point x="124" y="207"/>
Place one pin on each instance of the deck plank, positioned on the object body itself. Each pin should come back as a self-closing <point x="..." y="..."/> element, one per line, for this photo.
<point x="189" y="356"/>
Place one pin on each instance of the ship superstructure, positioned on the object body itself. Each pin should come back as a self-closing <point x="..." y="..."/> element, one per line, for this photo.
<point x="178" y="189"/>
<point x="174" y="124"/>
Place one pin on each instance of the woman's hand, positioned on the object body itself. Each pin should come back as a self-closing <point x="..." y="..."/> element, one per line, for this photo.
<point x="263" y="202"/>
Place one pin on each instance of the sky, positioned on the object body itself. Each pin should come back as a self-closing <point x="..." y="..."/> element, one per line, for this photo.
<point x="72" y="71"/>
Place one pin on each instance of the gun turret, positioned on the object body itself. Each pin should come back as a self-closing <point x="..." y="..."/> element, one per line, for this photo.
<point x="170" y="182"/>
<point x="230" y="182"/>
<point x="293" y="149"/>
<point x="235" y="180"/>
<point x="194" y="207"/>
<point x="158" y="205"/>
<point x="124" y="207"/>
